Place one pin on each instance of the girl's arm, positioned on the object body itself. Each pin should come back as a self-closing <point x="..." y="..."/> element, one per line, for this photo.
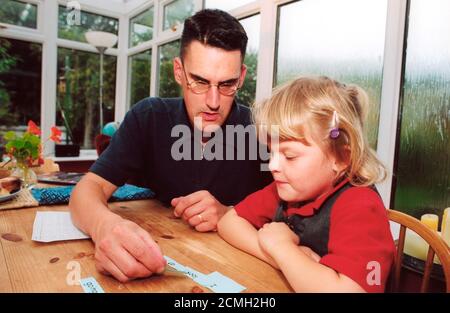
<point x="238" y="232"/>
<point x="306" y="275"/>
<point x="303" y="273"/>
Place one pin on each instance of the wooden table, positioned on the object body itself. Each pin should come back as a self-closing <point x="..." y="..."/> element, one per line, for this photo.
<point x="29" y="266"/>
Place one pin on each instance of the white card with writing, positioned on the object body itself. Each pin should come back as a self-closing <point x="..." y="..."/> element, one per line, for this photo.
<point x="55" y="226"/>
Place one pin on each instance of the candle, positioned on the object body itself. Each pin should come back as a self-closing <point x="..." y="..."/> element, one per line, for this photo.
<point x="446" y="226"/>
<point x="417" y="247"/>
<point x="431" y="220"/>
<point x="444" y="219"/>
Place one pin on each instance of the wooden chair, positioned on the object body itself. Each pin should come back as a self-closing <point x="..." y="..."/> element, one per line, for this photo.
<point x="436" y="246"/>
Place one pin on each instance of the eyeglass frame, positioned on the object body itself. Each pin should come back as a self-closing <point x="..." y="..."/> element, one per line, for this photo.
<point x="209" y="85"/>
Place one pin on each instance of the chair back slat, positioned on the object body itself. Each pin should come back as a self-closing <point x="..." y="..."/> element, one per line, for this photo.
<point x="427" y="270"/>
<point x="399" y="258"/>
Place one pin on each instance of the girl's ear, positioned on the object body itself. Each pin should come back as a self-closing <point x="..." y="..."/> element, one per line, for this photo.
<point x="342" y="161"/>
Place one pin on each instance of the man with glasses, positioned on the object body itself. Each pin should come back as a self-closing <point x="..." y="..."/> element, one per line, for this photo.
<point x="210" y="71"/>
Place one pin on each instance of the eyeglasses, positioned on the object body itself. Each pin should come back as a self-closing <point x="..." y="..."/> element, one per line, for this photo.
<point x="200" y="87"/>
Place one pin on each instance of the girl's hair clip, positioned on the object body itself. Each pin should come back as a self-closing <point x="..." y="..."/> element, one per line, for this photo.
<point x="334" y="132"/>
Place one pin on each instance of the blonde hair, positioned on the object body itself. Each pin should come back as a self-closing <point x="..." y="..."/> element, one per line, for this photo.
<point x="306" y="106"/>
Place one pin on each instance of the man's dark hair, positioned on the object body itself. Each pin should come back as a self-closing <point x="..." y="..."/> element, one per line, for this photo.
<point x="215" y="28"/>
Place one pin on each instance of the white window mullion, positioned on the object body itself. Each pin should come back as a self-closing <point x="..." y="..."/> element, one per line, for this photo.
<point x="40" y="16"/>
<point x="83" y="46"/>
<point x="49" y="71"/>
<point x="154" y="70"/>
<point x="155" y="53"/>
<point x="390" y="92"/>
<point x="122" y="69"/>
<point x="21" y="33"/>
<point x="140" y="47"/>
<point x="266" y="55"/>
<point x="246" y="10"/>
<point x="198" y="5"/>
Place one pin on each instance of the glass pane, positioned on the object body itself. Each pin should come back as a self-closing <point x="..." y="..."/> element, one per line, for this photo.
<point x="78" y="88"/>
<point x="176" y="12"/>
<point x="247" y="93"/>
<point x="168" y="87"/>
<point x="18" y="13"/>
<point x="20" y="84"/>
<point x="88" y="21"/>
<point x="140" y="67"/>
<point x="341" y="39"/>
<point x="225" y="5"/>
<point x="141" y="27"/>
<point x="423" y="180"/>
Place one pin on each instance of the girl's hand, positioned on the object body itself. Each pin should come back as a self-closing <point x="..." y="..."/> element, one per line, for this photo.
<point x="276" y="236"/>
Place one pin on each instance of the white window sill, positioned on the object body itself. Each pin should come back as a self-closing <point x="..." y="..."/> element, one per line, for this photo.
<point x="85" y="155"/>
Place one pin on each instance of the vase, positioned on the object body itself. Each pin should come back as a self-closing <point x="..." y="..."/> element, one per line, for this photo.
<point x="26" y="175"/>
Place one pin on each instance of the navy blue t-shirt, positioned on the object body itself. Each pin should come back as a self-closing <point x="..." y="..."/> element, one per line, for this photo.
<point x="141" y="151"/>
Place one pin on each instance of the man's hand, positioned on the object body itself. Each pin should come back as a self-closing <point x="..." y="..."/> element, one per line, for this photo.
<point x="274" y="235"/>
<point x="200" y="209"/>
<point x="126" y="251"/>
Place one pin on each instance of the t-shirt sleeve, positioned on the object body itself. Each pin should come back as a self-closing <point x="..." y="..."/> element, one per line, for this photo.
<point x="360" y="244"/>
<point x="259" y="207"/>
<point x="123" y="158"/>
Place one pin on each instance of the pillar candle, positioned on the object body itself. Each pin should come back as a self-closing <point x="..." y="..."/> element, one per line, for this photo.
<point x="446" y="226"/>
<point x="444" y="219"/>
<point x="417" y="247"/>
<point x="431" y="220"/>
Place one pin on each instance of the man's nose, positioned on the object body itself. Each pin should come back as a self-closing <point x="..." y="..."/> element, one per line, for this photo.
<point x="213" y="98"/>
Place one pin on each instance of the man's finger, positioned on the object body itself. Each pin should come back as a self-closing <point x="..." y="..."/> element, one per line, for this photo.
<point x="106" y="266"/>
<point x="127" y="264"/>
<point x="204" y="227"/>
<point x="193" y="210"/>
<point x="175" y="201"/>
<point x="197" y="219"/>
<point x="187" y="201"/>
<point x="149" y="255"/>
<point x="156" y="250"/>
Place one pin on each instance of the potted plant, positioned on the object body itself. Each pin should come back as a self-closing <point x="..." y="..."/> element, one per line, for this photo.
<point x="25" y="151"/>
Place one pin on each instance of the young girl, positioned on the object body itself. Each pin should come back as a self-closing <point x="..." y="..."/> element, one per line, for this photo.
<point x="321" y="221"/>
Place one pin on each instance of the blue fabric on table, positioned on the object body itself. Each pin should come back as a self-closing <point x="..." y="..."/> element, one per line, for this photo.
<point x="61" y="195"/>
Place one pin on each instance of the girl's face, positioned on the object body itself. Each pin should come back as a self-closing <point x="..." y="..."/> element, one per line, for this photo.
<point x="302" y="171"/>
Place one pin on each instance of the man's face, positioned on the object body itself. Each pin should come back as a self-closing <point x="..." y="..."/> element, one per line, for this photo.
<point x="209" y="65"/>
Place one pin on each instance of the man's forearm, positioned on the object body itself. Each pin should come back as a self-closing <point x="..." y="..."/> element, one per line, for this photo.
<point x="88" y="207"/>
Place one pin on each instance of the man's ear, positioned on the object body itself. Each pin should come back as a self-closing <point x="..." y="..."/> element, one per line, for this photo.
<point x="178" y="70"/>
<point x="243" y="74"/>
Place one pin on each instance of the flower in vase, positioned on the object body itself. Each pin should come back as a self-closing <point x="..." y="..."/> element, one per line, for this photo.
<point x="26" y="150"/>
